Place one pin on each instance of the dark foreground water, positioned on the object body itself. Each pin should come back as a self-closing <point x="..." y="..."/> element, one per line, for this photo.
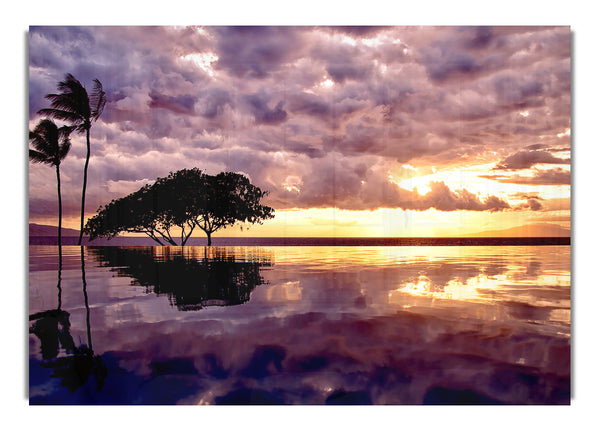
<point x="299" y="325"/>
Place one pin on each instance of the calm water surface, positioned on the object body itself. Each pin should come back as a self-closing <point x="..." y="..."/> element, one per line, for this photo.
<point x="299" y="325"/>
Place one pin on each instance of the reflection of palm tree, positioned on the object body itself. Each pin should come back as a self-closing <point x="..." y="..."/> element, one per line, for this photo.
<point x="85" y="298"/>
<point x="75" y="106"/>
<point x="52" y="326"/>
<point x="51" y="145"/>
<point x="75" y="368"/>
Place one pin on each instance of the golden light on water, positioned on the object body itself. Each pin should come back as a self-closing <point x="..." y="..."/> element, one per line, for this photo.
<point x="455" y="289"/>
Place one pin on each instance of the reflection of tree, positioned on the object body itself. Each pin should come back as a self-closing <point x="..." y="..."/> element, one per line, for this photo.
<point x="52" y="327"/>
<point x="191" y="282"/>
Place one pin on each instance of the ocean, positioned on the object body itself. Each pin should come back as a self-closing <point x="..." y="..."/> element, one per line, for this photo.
<point x="307" y="325"/>
<point x="313" y="241"/>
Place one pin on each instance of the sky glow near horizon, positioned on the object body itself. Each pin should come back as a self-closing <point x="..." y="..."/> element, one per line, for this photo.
<point x="355" y="131"/>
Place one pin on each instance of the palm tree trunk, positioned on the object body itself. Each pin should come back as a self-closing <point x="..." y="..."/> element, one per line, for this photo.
<point x="87" y="161"/>
<point x="59" y="209"/>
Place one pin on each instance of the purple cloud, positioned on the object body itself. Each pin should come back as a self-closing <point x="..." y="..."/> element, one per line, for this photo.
<point x="316" y="115"/>
<point x="550" y="177"/>
<point x="261" y="111"/>
<point x="178" y="104"/>
<point x="255" y="52"/>
<point x="528" y="158"/>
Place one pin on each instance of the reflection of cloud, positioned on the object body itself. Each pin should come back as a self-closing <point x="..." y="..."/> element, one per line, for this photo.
<point x="453" y="290"/>
<point x="507" y="285"/>
<point x="288" y="291"/>
<point x="304" y="338"/>
<point x="475" y="289"/>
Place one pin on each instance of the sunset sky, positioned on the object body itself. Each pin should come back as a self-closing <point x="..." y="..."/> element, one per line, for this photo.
<point x="354" y="131"/>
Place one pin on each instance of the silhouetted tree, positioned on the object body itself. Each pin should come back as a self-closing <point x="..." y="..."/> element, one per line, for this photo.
<point x="75" y="106"/>
<point x="185" y="200"/>
<point x="50" y="146"/>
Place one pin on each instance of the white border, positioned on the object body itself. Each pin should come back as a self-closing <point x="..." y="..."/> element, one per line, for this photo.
<point x="580" y="15"/>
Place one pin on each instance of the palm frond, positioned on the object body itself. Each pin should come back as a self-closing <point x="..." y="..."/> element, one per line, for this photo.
<point x="70" y="103"/>
<point x="38" y="157"/>
<point x="65" y="131"/>
<point x="65" y="101"/>
<point x="97" y="100"/>
<point x="50" y="143"/>
<point x="69" y="84"/>
<point x="39" y="143"/>
<point x="72" y="98"/>
<point x="44" y="137"/>
<point x="60" y="114"/>
<point x="72" y="86"/>
<point x="63" y="149"/>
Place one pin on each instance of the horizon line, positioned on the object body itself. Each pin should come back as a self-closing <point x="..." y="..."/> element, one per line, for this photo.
<point x="314" y="241"/>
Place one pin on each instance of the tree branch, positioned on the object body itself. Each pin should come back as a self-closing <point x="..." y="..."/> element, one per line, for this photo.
<point x="192" y="226"/>
<point x="171" y="240"/>
<point x="165" y="237"/>
<point x="150" y="234"/>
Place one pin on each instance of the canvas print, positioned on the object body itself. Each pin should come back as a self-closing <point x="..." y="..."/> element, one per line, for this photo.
<point x="311" y="215"/>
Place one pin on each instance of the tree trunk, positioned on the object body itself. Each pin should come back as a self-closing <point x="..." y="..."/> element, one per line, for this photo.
<point x="59" y="208"/>
<point x="208" y="236"/>
<point x="87" y="161"/>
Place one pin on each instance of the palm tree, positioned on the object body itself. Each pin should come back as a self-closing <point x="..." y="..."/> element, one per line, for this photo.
<point x="51" y="145"/>
<point x="75" y="106"/>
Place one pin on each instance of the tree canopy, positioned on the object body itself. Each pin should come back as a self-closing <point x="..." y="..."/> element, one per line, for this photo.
<point x="50" y="146"/>
<point x="170" y="209"/>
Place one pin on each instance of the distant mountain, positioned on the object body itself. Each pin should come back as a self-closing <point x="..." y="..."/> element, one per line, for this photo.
<point x="529" y="230"/>
<point x="40" y="234"/>
<point x="44" y="230"/>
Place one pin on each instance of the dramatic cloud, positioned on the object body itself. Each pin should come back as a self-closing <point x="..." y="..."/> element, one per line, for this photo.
<point x="531" y="203"/>
<point x="179" y="105"/>
<point x="262" y="113"/>
<point x="319" y="116"/>
<point x="550" y="177"/>
<point x="528" y="158"/>
<point x="442" y="198"/>
<point x="255" y="52"/>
